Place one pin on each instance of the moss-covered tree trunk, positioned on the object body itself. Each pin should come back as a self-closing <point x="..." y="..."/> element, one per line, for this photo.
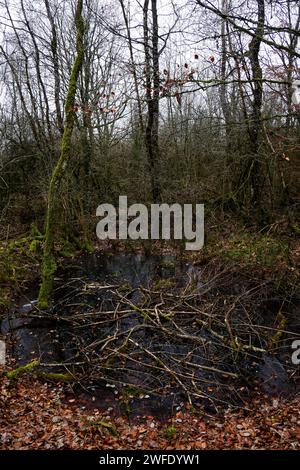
<point x="49" y="258"/>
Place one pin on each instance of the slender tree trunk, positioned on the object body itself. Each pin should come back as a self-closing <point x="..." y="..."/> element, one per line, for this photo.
<point x="49" y="258"/>
<point x="55" y="60"/>
<point x="133" y="67"/>
<point x="223" y="91"/>
<point x="152" y="96"/>
<point x="293" y="40"/>
<point x="256" y="124"/>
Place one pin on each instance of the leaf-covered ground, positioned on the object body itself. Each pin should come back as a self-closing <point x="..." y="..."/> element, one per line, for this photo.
<point x="36" y="415"/>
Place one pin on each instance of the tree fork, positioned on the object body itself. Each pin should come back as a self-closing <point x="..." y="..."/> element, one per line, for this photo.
<point x="49" y="259"/>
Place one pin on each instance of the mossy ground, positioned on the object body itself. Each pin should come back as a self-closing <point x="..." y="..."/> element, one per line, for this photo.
<point x="20" y="263"/>
<point x="249" y="248"/>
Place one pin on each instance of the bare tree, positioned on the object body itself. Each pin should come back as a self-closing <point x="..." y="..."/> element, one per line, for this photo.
<point x="152" y="95"/>
<point x="49" y="261"/>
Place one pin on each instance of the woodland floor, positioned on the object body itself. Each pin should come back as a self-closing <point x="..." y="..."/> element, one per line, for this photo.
<point x="35" y="415"/>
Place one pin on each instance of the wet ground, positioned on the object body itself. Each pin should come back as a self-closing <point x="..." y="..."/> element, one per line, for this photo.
<point x="100" y="332"/>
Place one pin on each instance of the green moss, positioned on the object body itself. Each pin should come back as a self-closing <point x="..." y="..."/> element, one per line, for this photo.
<point x="81" y="245"/>
<point x="254" y="249"/>
<point x="124" y="288"/>
<point x="167" y="264"/>
<point x="67" y="250"/>
<point x="164" y="284"/>
<point x="104" y="424"/>
<point x="34" y="232"/>
<point x="170" y="432"/>
<point x="234" y="344"/>
<point x="166" y="316"/>
<point x="281" y="321"/>
<point x="48" y="271"/>
<point x="31" y="367"/>
<point x="87" y="246"/>
<point x="296" y="228"/>
<point x="35" y="246"/>
<point x="71" y="247"/>
<point x="56" y="376"/>
<point x="144" y="313"/>
<point x="18" y="262"/>
<point x="116" y="274"/>
<point x="13" y="374"/>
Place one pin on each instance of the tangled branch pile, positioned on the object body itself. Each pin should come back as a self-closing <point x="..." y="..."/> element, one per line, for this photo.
<point x="210" y="335"/>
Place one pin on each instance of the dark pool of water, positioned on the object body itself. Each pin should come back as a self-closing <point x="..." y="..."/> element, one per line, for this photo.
<point x="86" y="285"/>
